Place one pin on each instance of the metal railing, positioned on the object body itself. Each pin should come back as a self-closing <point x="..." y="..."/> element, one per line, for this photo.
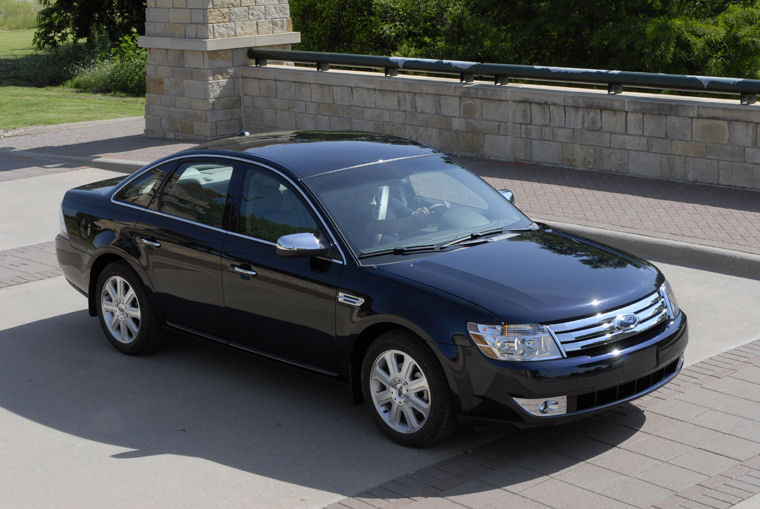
<point x="746" y="89"/>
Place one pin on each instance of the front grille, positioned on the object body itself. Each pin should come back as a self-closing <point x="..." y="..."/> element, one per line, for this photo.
<point x="624" y="391"/>
<point x="578" y="335"/>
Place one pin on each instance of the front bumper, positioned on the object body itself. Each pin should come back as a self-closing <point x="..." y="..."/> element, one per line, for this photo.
<point x="583" y="384"/>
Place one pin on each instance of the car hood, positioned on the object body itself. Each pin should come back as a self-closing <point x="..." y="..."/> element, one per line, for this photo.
<point x="536" y="277"/>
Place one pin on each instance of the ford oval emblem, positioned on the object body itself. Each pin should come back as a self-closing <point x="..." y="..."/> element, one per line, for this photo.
<point x="626" y="322"/>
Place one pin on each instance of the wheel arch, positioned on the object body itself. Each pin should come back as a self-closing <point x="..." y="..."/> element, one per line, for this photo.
<point x="362" y="344"/>
<point x="97" y="267"/>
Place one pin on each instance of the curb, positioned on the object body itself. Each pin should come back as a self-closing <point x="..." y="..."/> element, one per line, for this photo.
<point x="724" y="261"/>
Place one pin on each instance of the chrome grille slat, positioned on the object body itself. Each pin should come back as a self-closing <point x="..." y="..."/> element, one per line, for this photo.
<point x="598" y="330"/>
<point x="583" y="323"/>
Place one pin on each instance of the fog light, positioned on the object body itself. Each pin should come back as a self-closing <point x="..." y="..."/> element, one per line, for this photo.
<point x="554" y="405"/>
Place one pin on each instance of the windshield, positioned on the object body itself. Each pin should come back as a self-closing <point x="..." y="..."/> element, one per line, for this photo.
<point x="412" y="204"/>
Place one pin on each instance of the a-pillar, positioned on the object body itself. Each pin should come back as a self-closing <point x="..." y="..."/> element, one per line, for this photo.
<point x="194" y="47"/>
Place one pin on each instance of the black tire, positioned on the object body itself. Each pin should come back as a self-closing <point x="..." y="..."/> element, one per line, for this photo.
<point x="440" y="422"/>
<point x="148" y="336"/>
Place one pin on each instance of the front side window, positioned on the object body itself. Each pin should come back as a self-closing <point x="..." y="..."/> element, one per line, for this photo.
<point x="140" y="191"/>
<point x="197" y="191"/>
<point x="271" y="208"/>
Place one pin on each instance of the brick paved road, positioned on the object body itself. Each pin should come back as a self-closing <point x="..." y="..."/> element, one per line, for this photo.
<point x="28" y="263"/>
<point x="693" y="444"/>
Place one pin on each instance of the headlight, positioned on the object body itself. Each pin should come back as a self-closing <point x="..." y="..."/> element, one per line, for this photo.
<point x="525" y="342"/>
<point x="670" y="299"/>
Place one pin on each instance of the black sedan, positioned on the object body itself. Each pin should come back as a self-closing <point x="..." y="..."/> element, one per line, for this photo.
<point x="377" y="261"/>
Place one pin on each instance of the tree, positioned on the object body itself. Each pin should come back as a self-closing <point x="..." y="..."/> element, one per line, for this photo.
<point x="64" y="20"/>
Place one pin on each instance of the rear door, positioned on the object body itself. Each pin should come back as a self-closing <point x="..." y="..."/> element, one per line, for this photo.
<point x="181" y="237"/>
<point x="282" y="307"/>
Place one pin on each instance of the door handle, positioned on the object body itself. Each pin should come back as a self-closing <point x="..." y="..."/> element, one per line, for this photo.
<point x="151" y="243"/>
<point x="246" y="272"/>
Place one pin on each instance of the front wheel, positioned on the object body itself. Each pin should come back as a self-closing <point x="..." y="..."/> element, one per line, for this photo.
<point x="406" y="390"/>
<point x="126" y="312"/>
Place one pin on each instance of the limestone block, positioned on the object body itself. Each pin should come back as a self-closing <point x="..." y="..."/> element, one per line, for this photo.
<point x="563" y="135"/>
<point x="573" y="117"/>
<point x="424" y="103"/>
<point x="285" y="119"/>
<point x="322" y="122"/>
<point x="557" y="115"/>
<point x="634" y="123"/>
<point x="471" y="108"/>
<point x="179" y="3"/>
<point x="738" y="174"/>
<point x="157" y="15"/>
<point x="198" y="15"/>
<point x="267" y="88"/>
<point x="175" y="30"/>
<point x="449" y="105"/>
<point x="198" y="4"/>
<point x="429" y="136"/>
<point x="596" y="138"/>
<point x="710" y="131"/>
<point x="644" y="164"/>
<point x="539" y="114"/>
<point x="244" y="28"/>
<point x="520" y="149"/>
<point x="257" y="12"/>
<point x="519" y="112"/>
<point x="701" y="170"/>
<point x="613" y="121"/>
<point x="157" y="56"/>
<point x="678" y="128"/>
<point x="320" y="93"/>
<point x="280" y="25"/>
<point x="218" y="15"/>
<point x="227" y="127"/>
<point x="469" y="143"/>
<point x="285" y="90"/>
<point x="674" y="167"/>
<point x="656" y="106"/>
<point x="549" y="152"/>
<point x="689" y="148"/>
<point x="239" y="14"/>
<point x="377" y="115"/>
<point x="223" y="30"/>
<point x="196" y="89"/>
<point x="179" y="15"/>
<point x="194" y="59"/>
<point x="387" y="100"/>
<point x="725" y="152"/>
<point x="264" y="26"/>
<point x="340" y="124"/>
<point x="654" y="125"/>
<point x="628" y="142"/>
<point x="166" y="4"/>
<point x="225" y="3"/>
<point x="731" y="111"/>
<point x="306" y="122"/>
<point x="577" y="156"/>
<point x="358" y="124"/>
<point x="592" y="101"/>
<point x="752" y="155"/>
<point x="741" y="134"/>
<point x="660" y="145"/>
<point x="364" y="97"/>
<point x="419" y="119"/>
<point x="154" y="85"/>
<point x="155" y="29"/>
<point x="497" y="147"/>
<point x="342" y="95"/>
<point x="611" y="159"/>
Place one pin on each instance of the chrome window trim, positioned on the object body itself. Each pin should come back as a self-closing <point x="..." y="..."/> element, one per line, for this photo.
<point x="138" y="173"/>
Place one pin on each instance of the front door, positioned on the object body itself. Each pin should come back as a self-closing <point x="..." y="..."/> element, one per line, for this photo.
<point x="282" y="307"/>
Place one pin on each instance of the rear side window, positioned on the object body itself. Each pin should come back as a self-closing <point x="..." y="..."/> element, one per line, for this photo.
<point x="197" y="191"/>
<point x="141" y="190"/>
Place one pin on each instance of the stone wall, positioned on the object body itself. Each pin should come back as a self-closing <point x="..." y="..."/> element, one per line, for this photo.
<point x="711" y="141"/>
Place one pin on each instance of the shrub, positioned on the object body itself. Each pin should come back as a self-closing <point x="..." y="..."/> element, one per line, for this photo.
<point x="122" y="71"/>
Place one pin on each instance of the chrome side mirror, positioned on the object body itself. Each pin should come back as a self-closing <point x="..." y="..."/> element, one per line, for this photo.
<point x="300" y="244"/>
<point x="509" y="195"/>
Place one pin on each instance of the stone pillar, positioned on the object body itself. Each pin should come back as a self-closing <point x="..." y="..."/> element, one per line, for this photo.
<point x="194" y="48"/>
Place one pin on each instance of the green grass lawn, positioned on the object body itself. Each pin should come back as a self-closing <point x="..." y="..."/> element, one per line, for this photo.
<point x="22" y="105"/>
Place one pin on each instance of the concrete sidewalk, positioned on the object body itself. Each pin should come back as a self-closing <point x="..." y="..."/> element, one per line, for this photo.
<point x="705" y="227"/>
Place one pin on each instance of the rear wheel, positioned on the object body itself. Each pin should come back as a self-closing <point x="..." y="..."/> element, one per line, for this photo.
<point x="126" y="312"/>
<point x="406" y="390"/>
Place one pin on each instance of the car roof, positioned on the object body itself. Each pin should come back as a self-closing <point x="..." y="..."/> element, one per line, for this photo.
<point x="310" y="153"/>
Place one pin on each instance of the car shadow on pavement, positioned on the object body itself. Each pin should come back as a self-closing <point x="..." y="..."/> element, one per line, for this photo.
<point x="201" y="400"/>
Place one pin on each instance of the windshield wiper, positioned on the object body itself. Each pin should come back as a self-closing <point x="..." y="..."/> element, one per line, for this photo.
<point x="471" y="237"/>
<point x="479" y="237"/>
<point x="399" y="251"/>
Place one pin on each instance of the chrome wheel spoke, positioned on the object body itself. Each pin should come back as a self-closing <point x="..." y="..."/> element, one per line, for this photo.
<point x="132" y="312"/>
<point x="421" y="406"/>
<point x="394" y="415"/>
<point x="410" y="418"/>
<point x="132" y="326"/>
<point x="123" y="330"/>
<point x="381" y="376"/>
<point x="383" y="398"/>
<point x="417" y="385"/>
<point x="406" y="369"/>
